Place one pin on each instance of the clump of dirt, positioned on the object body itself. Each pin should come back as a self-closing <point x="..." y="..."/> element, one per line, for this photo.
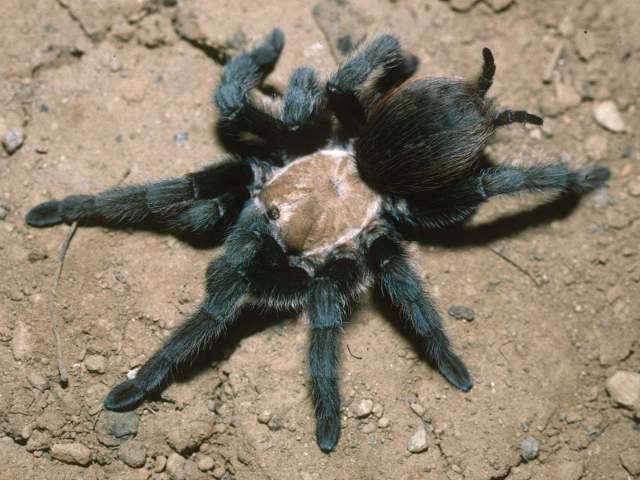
<point x="543" y="300"/>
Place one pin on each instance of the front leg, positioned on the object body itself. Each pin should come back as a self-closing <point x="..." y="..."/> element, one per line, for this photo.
<point x="195" y="203"/>
<point x="457" y="202"/>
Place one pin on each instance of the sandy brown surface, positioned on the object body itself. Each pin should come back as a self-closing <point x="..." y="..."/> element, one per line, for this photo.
<point x="103" y="88"/>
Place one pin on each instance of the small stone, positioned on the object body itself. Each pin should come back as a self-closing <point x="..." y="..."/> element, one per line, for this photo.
<point x="265" y="416"/>
<point x="133" y="453"/>
<point x="614" y="349"/>
<point x="417" y="408"/>
<point x="586" y="44"/>
<point x="529" y="448"/>
<point x="596" y="147"/>
<point x="633" y="187"/>
<point x="134" y="90"/>
<point x="95" y="363"/>
<point x="624" y="388"/>
<point x="608" y="116"/>
<point x="37" y="381"/>
<point x="175" y="467"/>
<point x="160" y="464"/>
<point x="364" y="408"/>
<point x="378" y="410"/>
<point x="20" y="345"/>
<point x="181" y="138"/>
<point x="74" y="453"/>
<point x="206" y="463"/>
<point x="418" y="442"/>
<point x="219" y="472"/>
<point x="115" y="428"/>
<point x="12" y="140"/>
<point x="191" y="471"/>
<point x="630" y="459"/>
<point x="276" y="423"/>
<point x="567" y="471"/>
<point x="499" y="5"/>
<point x="566" y="96"/>
<point x="462" y="5"/>
<point x="384" y="422"/>
<point x="460" y="312"/>
<point x="190" y="436"/>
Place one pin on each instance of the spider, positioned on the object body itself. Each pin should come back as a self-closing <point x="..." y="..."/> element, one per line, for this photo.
<point x="311" y="201"/>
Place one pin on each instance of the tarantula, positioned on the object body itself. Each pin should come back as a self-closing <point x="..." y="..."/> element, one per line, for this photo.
<point x="311" y="201"/>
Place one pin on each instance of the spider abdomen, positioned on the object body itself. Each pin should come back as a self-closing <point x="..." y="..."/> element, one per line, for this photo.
<point x="319" y="202"/>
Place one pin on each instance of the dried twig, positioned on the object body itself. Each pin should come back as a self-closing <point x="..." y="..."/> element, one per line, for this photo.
<point x="351" y="353"/>
<point x="64" y="378"/>
<point x="513" y="263"/>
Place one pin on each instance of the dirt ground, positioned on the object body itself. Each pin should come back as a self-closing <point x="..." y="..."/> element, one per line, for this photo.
<point x="121" y="89"/>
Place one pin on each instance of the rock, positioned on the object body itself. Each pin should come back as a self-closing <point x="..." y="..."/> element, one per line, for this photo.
<point x="499" y="5"/>
<point x="608" y="116"/>
<point x="586" y="44"/>
<point x="181" y="138"/>
<point x="175" y="467"/>
<point x="567" y="97"/>
<point x="417" y="408"/>
<point x="529" y="448"/>
<point x="115" y="428"/>
<point x="160" y="464"/>
<point x="12" y="140"/>
<point x="596" y="147"/>
<point x="191" y="471"/>
<point x="418" y="441"/>
<point x="624" y="388"/>
<point x="384" y="422"/>
<point x="364" y="408"/>
<point x="265" y="416"/>
<point x="95" y="363"/>
<point x="190" y="436"/>
<point x="343" y="25"/>
<point x="460" y="312"/>
<point x="633" y="187"/>
<point x="74" y="453"/>
<point x="52" y="421"/>
<point x="614" y="349"/>
<point x="462" y="5"/>
<point x="567" y="471"/>
<point x="20" y="347"/>
<point x="630" y="459"/>
<point x="37" y="381"/>
<point x="378" y="410"/>
<point x="206" y="463"/>
<point x="133" y="453"/>
<point x="36" y="256"/>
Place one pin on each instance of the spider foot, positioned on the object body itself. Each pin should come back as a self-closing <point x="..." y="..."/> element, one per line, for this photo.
<point x="454" y="370"/>
<point x="590" y="178"/>
<point x="46" y="214"/>
<point x="327" y="432"/>
<point x="125" y="396"/>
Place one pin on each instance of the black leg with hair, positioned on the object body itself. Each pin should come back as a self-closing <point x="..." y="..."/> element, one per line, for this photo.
<point x="329" y="300"/>
<point x="195" y="203"/>
<point x="226" y="289"/>
<point x="460" y="200"/>
<point x="368" y="74"/>
<point x="400" y="286"/>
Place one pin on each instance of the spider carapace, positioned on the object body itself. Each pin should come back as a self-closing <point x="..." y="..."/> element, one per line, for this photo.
<point x="311" y="201"/>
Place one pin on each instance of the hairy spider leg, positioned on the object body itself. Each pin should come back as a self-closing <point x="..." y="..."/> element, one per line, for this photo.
<point x="352" y="90"/>
<point x="400" y="286"/>
<point x="460" y="200"/>
<point x="195" y="203"/>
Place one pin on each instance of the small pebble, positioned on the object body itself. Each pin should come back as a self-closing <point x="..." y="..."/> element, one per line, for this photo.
<point x="12" y="140"/>
<point x="633" y="187"/>
<point x="175" y="466"/>
<point x="265" y="416"/>
<point x="133" y="453"/>
<point x="206" y="463"/>
<point x="219" y="472"/>
<point x="529" y="448"/>
<point x="384" y="422"/>
<point x="608" y="116"/>
<point x="378" y="410"/>
<point x="364" y="408"/>
<point x="95" y="363"/>
<point x="37" y="381"/>
<point x="624" y="388"/>
<point x="181" y="138"/>
<point x="74" y="453"/>
<point x="460" y="312"/>
<point x="160" y="464"/>
<point x="418" y="441"/>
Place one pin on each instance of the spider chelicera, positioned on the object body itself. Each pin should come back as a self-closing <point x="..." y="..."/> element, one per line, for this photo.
<point x="311" y="201"/>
